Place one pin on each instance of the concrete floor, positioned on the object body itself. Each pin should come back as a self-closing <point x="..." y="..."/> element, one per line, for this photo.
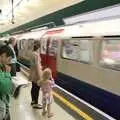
<point x="21" y="109"/>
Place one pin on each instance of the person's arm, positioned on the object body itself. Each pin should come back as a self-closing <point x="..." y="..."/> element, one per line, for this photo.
<point x="40" y="82"/>
<point x="52" y="83"/>
<point x="38" y="65"/>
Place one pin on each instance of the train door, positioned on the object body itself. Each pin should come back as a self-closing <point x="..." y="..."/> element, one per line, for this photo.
<point x="49" y="45"/>
<point x="43" y="52"/>
<point x="49" y="53"/>
<point x="52" y="55"/>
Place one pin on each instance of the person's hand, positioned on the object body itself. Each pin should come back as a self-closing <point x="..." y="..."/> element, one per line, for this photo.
<point x="41" y="67"/>
<point x="51" y="78"/>
<point x="39" y="82"/>
<point x="7" y="68"/>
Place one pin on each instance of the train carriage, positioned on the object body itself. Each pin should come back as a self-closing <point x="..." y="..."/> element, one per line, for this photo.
<point x="84" y="59"/>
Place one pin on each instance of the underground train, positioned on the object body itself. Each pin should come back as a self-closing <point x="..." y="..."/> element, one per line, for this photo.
<point x="84" y="58"/>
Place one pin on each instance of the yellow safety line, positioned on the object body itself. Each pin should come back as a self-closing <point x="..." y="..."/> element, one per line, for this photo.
<point x="73" y="107"/>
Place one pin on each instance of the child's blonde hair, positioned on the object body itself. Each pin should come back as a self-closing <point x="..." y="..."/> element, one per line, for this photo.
<point x="46" y="75"/>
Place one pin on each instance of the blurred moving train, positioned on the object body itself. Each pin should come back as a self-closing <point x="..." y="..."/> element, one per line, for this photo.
<point x="84" y="58"/>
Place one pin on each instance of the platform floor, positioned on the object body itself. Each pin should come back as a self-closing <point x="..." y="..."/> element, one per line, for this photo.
<point x="21" y="109"/>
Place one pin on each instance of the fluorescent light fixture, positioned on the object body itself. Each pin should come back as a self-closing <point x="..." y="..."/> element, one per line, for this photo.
<point x="101" y="14"/>
<point x="41" y="26"/>
<point x="38" y="29"/>
<point x="20" y="31"/>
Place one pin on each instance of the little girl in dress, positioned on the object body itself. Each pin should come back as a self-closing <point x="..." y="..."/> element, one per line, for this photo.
<point x="47" y="84"/>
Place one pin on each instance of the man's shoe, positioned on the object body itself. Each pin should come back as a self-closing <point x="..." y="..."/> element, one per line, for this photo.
<point x="37" y="106"/>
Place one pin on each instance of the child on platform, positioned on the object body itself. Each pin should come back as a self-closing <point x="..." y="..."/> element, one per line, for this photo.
<point x="47" y="84"/>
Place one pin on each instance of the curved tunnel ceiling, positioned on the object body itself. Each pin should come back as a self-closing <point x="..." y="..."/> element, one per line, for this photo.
<point x="28" y="10"/>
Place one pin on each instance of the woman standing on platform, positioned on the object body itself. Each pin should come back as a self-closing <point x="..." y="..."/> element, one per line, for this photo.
<point x="35" y="75"/>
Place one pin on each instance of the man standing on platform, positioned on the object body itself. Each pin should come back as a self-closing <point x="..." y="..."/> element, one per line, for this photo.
<point x="12" y="43"/>
<point x="6" y="55"/>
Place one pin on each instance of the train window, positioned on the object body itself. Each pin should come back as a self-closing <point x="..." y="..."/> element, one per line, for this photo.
<point x="43" y="46"/>
<point x="25" y="44"/>
<point x="30" y="43"/>
<point x="110" y="53"/>
<point x="53" y="47"/>
<point x="21" y="44"/>
<point x="79" y="50"/>
<point x="18" y="44"/>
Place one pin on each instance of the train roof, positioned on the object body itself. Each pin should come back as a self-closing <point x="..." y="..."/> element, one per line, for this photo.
<point x="108" y="27"/>
<point x="32" y="35"/>
<point x="97" y="28"/>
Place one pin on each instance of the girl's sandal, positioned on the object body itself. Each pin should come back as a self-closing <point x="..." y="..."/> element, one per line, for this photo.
<point x="44" y="113"/>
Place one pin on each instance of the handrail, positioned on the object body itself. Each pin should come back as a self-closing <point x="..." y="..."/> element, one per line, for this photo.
<point x="23" y="66"/>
